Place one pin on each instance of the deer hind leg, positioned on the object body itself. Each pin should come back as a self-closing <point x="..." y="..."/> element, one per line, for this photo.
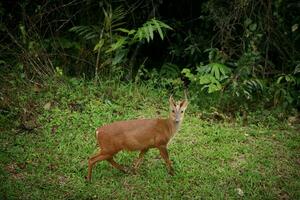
<point x="116" y="165"/>
<point x="139" y="160"/>
<point x="92" y="161"/>
<point x="164" y="154"/>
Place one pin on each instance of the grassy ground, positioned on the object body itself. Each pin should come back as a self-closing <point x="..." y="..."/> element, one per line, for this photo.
<point x="48" y="134"/>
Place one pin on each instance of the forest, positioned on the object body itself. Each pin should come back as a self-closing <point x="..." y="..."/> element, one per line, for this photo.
<point x="69" y="67"/>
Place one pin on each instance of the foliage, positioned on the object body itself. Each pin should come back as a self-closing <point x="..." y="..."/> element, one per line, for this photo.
<point x="236" y="47"/>
<point x="240" y="55"/>
<point x="114" y="45"/>
<point x="51" y="158"/>
<point x="241" y="82"/>
<point x="67" y="67"/>
<point x="284" y="93"/>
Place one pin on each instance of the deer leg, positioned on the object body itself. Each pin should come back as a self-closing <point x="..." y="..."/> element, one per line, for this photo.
<point x="116" y="165"/>
<point x="139" y="160"/>
<point x="94" y="156"/>
<point x="164" y="154"/>
<point x="100" y="156"/>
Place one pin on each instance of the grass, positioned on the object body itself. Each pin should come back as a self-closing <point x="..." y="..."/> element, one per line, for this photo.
<point x="212" y="160"/>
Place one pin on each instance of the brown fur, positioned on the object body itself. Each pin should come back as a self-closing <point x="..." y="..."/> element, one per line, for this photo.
<point x="138" y="135"/>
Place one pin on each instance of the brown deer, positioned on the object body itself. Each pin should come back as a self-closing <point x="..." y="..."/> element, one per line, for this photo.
<point x="138" y="135"/>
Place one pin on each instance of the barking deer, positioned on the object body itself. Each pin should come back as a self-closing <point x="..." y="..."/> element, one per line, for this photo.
<point x="138" y="135"/>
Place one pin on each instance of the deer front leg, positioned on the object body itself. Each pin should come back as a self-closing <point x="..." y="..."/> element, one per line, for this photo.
<point x="164" y="154"/>
<point x="99" y="157"/>
<point x="139" y="160"/>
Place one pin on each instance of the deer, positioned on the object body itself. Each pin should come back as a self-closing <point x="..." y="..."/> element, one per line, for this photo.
<point x="138" y="135"/>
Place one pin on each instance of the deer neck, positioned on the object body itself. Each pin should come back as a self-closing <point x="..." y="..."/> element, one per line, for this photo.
<point x="173" y="126"/>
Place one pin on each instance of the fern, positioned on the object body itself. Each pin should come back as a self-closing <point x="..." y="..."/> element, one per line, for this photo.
<point x="248" y="88"/>
<point x="119" y="44"/>
<point x="113" y="18"/>
<point x="148" y="29"/>
<point x="210" y="77"/>
<point x="111" y="47"/>
<point x="86" y="32"/>
<point x="169" y="70"/>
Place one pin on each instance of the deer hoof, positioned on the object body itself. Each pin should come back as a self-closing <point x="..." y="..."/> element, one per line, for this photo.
<point x="171" y="172"/>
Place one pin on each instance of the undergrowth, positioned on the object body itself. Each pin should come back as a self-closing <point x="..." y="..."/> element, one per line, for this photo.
<point x="48" y="133"/>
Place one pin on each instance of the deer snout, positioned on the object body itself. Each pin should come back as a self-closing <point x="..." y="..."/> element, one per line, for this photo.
<point x="177" y="118"/>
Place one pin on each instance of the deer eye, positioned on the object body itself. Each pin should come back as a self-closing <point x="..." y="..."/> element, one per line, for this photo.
<point x="173" y="111"/>
<point x="182" y="111"/>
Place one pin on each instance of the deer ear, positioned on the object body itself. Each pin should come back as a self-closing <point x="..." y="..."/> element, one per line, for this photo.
<point x="184" y="104"/>
<point x="171" y="101"/>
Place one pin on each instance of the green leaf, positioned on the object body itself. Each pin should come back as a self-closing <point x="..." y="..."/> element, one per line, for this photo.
<point x="145" y="30"/>
<point x="117" y="45"/>
<point x="158" y="29"/>
<point x="206" y="79"/>
<point x="287" y="78"/>
<point x="99" y="45"/>
<point x="119" y="57"/>
<point x="215" y="71"/>
<point x="2" y="62"/>
<point x="187" y="73"/>
<point x="162" y="24"/>
<point x="124" y="30"/>
<point x="214" y="88"/>
<point x="253" y="27"/>
<point x="279" y="79"/>
<point x="131" y="32"/>
<point x="247" y="22"/>
<point x="150" y="31"/>
<point x="140" y="35"/>
<point x="297" y="69"/>
<point x="89" y="36"/>
<point x="205" y="86"/>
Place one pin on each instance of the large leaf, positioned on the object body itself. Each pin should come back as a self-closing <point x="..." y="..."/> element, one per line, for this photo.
<point x="99" y="45"/>
<point x="159" y="29"/>
<point x="214" y="87"/>
<point x="117" y="45"/>
<point x="87" y="32"/>
<point x="119" y="56"/>
<point x="207" y="79"/>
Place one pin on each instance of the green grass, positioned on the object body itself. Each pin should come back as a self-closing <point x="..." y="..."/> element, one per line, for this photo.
<point x="212" y="160"/>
